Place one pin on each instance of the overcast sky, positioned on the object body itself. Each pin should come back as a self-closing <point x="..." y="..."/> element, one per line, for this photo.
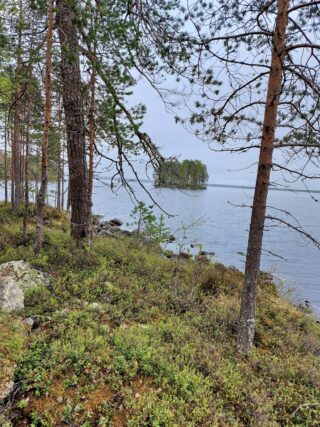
<point x="174" y="140"/>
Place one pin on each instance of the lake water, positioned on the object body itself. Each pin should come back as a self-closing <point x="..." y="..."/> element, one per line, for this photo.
<point x="223" y="228"/>
<point x="211" y="218"/>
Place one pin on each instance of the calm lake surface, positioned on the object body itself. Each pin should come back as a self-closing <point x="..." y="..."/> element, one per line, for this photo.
<point x="220" y="226"/>
<point x="223" y="228"/>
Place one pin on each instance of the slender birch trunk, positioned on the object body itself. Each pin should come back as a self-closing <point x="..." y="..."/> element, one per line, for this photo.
<point x="249" y="293"/>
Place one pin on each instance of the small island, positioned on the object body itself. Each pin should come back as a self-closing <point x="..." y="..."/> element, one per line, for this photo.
<point x="191" y="174"/>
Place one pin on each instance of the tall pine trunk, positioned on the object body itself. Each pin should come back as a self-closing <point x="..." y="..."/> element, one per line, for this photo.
<point x="62" y="176"/>
<point x="37" y="172"/>
<point x="26" y="158"/>
<point x="74" y="116"/>
<point x="41" y="197"/>
<point x="60" y="162"/>
<point x="16" y="143"/>
<point x="6" y="135"/>
<point x="16" y="149"/>
<point x="91" y="151"/>
<point x="12" y="159"/>
<point x="252" y="270"/>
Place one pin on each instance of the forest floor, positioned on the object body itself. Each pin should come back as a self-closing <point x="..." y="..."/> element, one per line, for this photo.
<point x="129" y="338"/>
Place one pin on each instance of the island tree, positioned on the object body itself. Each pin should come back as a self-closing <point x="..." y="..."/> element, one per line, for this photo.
<point x="186" y="174"/>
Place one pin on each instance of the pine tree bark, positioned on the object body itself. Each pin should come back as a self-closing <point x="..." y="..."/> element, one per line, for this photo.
<point x="74" y="116"/>
<point x="41" y="197"/>
<point x="6" y="135"/>
<point x="12" y="159"/>
<point x="62" y="176"/>
<point x="252" y="269"/>
<point x="91" y="152"/>
<point x="59" y="180"/>
<point x="37" y="173"/>
<point x="16" y="145"/>
<point x="26" y="159"/>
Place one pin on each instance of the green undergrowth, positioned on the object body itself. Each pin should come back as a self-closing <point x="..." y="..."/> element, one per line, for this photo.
<point x="126" y="337"/>
<point x="13" y="337"/>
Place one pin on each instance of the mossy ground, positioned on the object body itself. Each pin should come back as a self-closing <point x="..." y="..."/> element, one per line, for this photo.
<point x="13" y="334"/>
<point x="129" y="338"/>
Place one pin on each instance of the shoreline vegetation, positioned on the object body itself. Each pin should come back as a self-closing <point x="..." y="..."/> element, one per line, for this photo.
<point x="126" y="337"/>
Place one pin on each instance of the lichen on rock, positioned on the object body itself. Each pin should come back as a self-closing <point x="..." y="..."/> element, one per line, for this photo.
<point x="17" y="277"/>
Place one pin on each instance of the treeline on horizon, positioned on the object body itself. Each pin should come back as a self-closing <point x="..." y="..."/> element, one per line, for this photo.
<point x="67" y="71"/>
<point x="191" y="174"/>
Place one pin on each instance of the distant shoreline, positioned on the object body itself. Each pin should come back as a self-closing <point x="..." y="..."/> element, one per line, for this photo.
<point x="186" y="187"/>
<point x="247" y="187"/>
<point x="243" y="187"/>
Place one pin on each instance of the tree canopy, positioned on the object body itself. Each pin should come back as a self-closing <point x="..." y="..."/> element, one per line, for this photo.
<point x="186" y="174"/>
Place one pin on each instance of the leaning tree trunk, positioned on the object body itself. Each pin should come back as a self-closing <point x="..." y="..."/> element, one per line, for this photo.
<point x="249" y="293"/>
<point x="41" y="196"/>
<point x="74" y="116"/>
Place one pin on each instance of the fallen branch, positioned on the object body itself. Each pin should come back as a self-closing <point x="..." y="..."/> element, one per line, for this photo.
<point x="304" y="405"/>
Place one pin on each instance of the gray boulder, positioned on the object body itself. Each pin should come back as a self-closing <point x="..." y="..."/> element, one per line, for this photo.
<point x="16" y="277"/>
<point x="105" y="232"/>
<point x="111" y="228"/>
<point x="207" y="253"/>
<point x="115" y="222"/>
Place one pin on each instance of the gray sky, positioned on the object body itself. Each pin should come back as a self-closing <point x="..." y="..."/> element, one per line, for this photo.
<point x="174" y="140"/>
